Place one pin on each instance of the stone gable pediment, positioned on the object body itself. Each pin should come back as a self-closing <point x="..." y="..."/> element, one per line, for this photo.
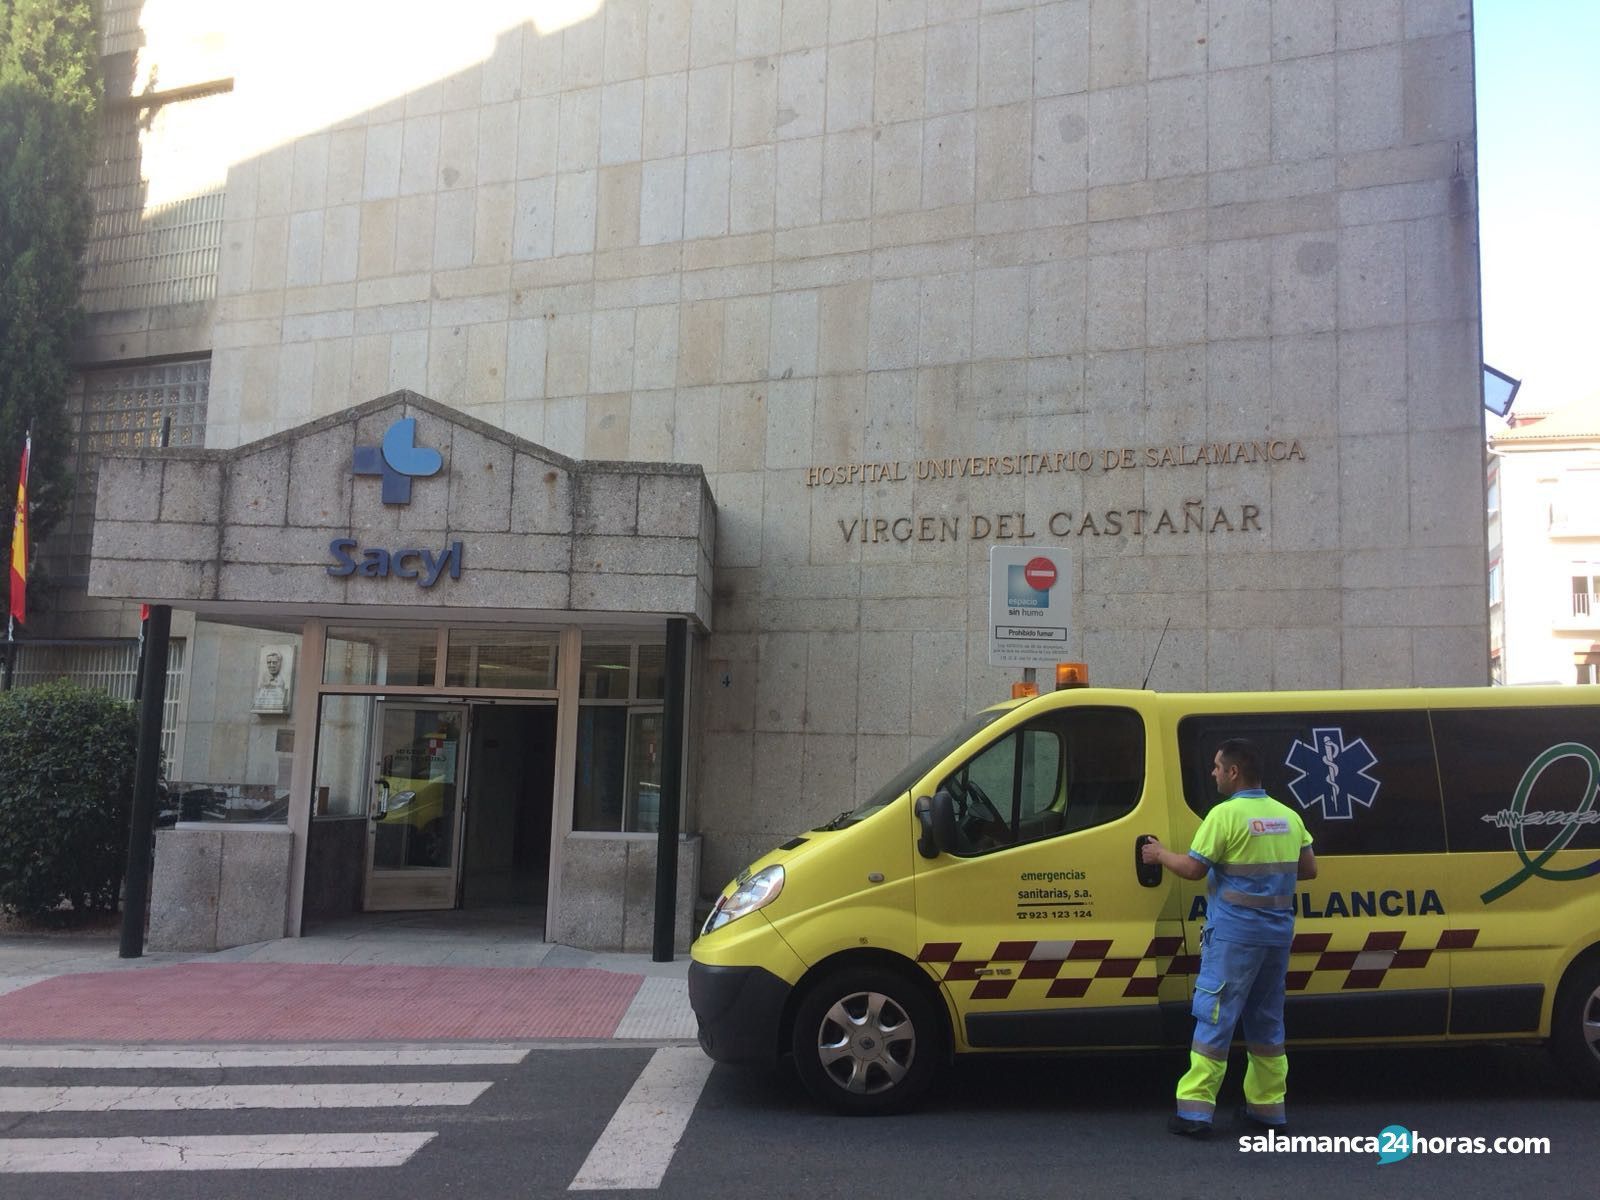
<point x="533" y="529"/>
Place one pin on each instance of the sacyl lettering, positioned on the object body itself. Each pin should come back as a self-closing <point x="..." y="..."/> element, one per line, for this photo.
<point x="425" y="566"/>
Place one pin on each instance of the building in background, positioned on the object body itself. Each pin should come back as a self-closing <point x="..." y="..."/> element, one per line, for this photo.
<point x="769" y="317"/>
<point x="1544" y="546"/>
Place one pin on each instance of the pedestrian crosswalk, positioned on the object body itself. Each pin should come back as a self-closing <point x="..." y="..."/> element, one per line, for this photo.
<point x="403" y="1055"/>
<point x="638" y="1145"/>
<point x="132" y="1109"/>
<point x="177" y="1150"/>
<point x="229" y="1096"/>
<point x="303" y="1151"/>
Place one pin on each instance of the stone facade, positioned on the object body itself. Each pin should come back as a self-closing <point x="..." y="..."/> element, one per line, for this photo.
<point x="536" y="530"/>
<point x="596" y="871"/>
<point x="216" y="888"/>
<point x="1188" y="287"/>
<point x="273" y="532"/>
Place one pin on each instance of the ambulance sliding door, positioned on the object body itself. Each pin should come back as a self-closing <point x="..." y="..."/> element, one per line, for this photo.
<point x="1039" y="927"/>
<point x="1372" y="936"/>
<point x="1524" y="868"/>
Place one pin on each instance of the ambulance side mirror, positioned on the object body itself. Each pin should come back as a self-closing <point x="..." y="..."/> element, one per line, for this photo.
<point x="936" y="815"/>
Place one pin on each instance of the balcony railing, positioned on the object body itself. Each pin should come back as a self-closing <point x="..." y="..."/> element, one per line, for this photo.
<point x="1585" y="606"/>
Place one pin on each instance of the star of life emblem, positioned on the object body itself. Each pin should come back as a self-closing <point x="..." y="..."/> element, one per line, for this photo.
<point x="1333" y="774"/>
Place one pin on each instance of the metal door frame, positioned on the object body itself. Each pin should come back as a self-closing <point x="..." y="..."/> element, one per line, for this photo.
<point x="371" y="872"/>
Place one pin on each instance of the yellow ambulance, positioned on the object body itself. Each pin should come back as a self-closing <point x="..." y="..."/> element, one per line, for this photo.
<point x="990" y="896"/>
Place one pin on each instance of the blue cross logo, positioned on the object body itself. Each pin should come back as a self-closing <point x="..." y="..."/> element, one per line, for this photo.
<point x="1333" y="774"/>
<point x="399" y="460"/>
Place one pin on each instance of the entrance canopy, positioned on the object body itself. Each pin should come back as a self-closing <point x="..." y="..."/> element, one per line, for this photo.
<point x="401" y="505"/>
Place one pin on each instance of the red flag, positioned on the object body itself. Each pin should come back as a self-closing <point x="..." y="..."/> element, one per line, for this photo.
<point x="19" y="542"/>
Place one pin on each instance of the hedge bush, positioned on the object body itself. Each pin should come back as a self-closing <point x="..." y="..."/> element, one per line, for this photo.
<point x="66" y="787"/>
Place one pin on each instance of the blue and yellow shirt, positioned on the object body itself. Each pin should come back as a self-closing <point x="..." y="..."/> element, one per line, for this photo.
<point x="1252" y="845"/>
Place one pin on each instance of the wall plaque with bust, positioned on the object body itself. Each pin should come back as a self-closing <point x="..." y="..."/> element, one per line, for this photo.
<point x="274" y="685"/>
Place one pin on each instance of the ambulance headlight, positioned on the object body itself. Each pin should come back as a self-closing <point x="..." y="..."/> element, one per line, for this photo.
<point x="760" y="890"/>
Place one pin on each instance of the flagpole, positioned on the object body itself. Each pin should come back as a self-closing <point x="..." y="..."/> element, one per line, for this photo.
<point x="19" y="530"/>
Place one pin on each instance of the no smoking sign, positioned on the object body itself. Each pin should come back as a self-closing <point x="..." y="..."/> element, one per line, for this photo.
<point x="1029" y="615"/>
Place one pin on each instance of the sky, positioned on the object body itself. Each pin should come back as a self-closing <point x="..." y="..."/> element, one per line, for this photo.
<point x="1539" y="195"/>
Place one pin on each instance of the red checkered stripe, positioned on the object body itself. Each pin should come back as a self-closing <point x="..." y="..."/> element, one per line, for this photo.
<point x="1368" y="967"/>
<point x="1069" y="968"/>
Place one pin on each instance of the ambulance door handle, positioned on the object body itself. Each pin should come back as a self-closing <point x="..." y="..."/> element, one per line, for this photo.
<point x="1149" y="874"/>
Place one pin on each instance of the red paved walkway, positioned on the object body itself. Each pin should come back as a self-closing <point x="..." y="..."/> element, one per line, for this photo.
<point x="266" y="1002"/>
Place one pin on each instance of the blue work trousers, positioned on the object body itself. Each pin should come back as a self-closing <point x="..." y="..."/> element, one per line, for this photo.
<point x="1237" y="982"/>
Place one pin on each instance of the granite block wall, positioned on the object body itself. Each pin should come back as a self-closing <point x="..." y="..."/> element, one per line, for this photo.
<point x="1187" y="287"/>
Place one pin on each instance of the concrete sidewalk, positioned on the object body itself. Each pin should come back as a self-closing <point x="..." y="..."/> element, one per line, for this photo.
<point x="367" y="980"/>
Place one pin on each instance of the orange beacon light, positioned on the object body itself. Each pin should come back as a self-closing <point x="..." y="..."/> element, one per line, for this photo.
<point x="1071" y="675"/>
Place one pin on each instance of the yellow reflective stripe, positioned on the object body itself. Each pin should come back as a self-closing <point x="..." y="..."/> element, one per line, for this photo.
<point x="1267" y="868"/>
<point x="1247" y="901"/>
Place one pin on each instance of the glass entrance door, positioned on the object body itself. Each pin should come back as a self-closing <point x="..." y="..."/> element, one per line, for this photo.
<point x="414" y="806"/>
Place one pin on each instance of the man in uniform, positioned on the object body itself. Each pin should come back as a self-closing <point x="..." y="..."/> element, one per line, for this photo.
<point x="1254" y="850"/>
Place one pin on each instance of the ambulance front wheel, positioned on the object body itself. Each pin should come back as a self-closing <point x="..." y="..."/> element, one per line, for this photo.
<point x="867" y="1041"/>
<point x="1575" y="1026"/>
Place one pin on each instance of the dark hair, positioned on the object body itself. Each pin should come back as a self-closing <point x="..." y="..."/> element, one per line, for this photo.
<point x="1242" y="755"/>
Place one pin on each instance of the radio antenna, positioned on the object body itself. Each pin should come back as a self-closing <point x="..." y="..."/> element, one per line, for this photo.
<point x="1153" y="657"/>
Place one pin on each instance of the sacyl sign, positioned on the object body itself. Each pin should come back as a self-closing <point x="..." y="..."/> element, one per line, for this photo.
<point x="397" y="461"/>
<point x="425" y="566"/>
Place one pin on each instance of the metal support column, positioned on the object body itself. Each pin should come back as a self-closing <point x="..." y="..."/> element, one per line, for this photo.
<point x="677" y="671"/>
<point x="141" y="831"/>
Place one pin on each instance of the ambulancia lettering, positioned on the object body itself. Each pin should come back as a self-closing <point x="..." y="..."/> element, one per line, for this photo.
<point x="1389" y="903"/>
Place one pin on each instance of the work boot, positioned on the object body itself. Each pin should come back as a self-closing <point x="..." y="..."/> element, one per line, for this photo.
<point x="1188" y="1127"/>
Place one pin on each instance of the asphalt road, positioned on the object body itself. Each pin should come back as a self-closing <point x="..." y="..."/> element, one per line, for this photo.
<point x="1095" y="1127"/>
<point x="1068" y="1127"/>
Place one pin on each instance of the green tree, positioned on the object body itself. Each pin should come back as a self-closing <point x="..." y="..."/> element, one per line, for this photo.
<point x="50" y="89"/>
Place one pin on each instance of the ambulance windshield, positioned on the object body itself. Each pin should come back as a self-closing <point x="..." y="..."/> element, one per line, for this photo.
<point x="903" y="779"/>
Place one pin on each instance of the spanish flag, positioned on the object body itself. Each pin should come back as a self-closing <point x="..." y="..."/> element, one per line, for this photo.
<point x="19" y="542"/>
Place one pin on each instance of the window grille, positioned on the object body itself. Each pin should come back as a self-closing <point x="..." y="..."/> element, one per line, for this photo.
<point x="111" y="667"/>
